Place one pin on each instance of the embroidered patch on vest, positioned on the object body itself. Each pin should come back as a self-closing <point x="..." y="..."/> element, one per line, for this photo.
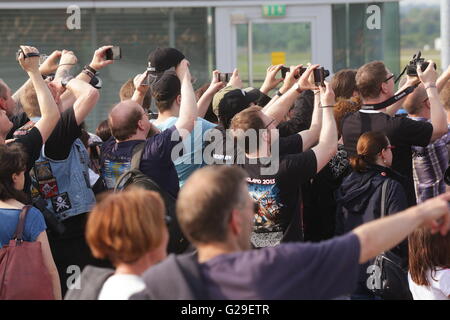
<point x="43" y="171"/>
<point x="48" y="188"/>
<point x="61" y="203"/>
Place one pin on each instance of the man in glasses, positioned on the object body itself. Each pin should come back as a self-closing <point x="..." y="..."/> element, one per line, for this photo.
<point x="431" y="161"/>
<point x="224" y="267"/>
<point x="375" y="84"/>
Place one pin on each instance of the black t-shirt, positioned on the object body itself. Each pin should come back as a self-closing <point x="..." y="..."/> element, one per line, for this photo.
<point x="402" y="133"/>
<point x="60" y="142"/>
<point x="32" y="145"/>
<point x="18" y="121"/>
<point x="278" y="193"/>
<point x="222" y="148"/>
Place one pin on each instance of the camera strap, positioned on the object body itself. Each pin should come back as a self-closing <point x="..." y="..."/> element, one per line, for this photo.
<point x="389" y="101"/>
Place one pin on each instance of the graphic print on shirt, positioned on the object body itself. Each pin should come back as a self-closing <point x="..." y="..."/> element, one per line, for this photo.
<point x="113" y="170"/>
<point x="267" y="194"/>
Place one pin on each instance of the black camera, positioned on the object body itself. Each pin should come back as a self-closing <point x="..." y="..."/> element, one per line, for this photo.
<point x="224" y="77"/>
<point x="114" y="53"/>
<point x="319" y="75"/>
<point x="411" y="68"/>
<point x="298" y="74"/>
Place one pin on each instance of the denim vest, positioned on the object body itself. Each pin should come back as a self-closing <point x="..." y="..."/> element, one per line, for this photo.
<point x="64" y="184"/>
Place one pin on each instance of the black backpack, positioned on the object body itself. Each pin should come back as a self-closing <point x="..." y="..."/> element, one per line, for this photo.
<point x="134" y="177"/>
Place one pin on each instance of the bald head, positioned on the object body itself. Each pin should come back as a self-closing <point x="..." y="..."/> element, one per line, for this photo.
<point x="414" y="102"/>
<point x="124" y="118"/>
<point x="215" y="191"/>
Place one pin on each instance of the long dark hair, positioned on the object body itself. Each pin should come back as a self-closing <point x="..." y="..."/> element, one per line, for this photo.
<point x="370" y="144"/>
<point x="427" y="252"/>
<point x="13" y="160"/>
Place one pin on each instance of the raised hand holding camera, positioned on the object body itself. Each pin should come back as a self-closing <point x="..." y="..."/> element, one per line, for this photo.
<point x="28" y="58"/>
<point x="270" y="82"/>
<point x="306" y="81"/>
<point x="99" y="59"/>
<point x="429" y="76"/>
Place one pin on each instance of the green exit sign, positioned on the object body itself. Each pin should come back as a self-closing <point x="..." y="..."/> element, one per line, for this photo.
<point x="274" y="10"/>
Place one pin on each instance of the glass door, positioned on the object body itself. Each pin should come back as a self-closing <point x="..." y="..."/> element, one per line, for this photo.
<point x="257" y="41"/>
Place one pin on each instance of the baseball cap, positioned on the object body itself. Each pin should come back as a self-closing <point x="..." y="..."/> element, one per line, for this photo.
<point x="162" y="59"/>
<point x="234" y="98"/>
<point x="166" y="87"/>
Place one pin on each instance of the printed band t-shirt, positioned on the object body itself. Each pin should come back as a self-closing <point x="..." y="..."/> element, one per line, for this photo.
<point x="278" y="195"/>
<point x="156" y="160"/>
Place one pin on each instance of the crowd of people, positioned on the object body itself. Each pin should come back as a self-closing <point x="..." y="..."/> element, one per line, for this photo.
<point x="318" y="181"/>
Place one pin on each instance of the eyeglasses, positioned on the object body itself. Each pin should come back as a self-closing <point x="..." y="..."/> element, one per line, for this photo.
<point x="389" y="78"/>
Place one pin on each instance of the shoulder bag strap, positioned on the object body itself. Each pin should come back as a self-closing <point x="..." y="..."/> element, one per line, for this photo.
<point x="383" y="198"/>
<point x="138" y="150"/>
<point x="18" y="235"/>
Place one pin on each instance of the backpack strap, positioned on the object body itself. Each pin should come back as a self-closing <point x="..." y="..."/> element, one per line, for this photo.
<point x="18" y="235"/>
<point x="383" y="198"/>
<point x="138" y="150"/>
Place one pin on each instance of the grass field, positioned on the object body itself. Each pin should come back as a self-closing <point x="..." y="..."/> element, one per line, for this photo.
<point x="262" y="60"/>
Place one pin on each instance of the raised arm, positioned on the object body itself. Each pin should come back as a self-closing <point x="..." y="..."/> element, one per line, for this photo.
<point x="311" y="135"/>
<point x="438" y="115"/>
<point x="278" y="106"/>
<point x="271" y="82"/>
<point x="206" y="98"/>
<point x="188" y="106"/>
<point x="49" y="110"/>
<point x="98" y="62"/>
<point x="141" y="87"/>
<point x="327" y="146"/>
<point x="383" y="234"/>
<point x="49" y="66"/>
<point x="443" y="79"/>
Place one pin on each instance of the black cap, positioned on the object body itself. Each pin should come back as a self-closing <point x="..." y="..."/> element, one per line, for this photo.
<point x="166" y="87"/>
<point x="234" y="102"/>
<point x="162" y="59"/>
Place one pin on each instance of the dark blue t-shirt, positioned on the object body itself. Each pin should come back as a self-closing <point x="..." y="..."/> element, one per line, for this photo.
<point x="156" y="160"/>
<point x="9" y="218"/>
<point x="322" y="270"/>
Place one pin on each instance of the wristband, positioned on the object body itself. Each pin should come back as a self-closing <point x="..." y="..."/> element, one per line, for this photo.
<point x="332" y="106"/>
<point x="279" y="93"/>
<point x="430" y="86"/>
<point x="88" y="73"/>
<point x="87" y="67"/>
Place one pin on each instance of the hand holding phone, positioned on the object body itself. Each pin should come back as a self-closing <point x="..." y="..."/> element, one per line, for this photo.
<point x="114" y="53"/>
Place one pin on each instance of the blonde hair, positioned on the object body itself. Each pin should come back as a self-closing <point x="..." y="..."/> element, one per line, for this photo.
<point x="124" y="226"/>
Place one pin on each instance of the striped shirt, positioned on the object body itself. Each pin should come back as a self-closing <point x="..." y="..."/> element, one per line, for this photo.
<point x="429" y="165"/>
